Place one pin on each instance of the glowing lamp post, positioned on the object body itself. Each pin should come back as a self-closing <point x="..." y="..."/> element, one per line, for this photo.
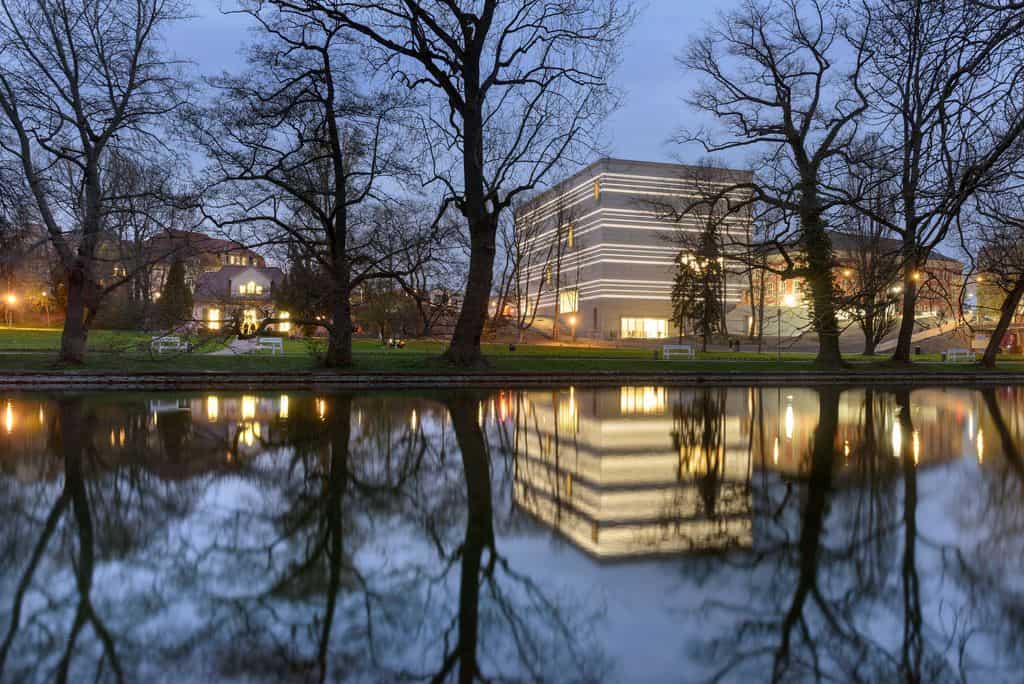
<point x="10" y="301"/>
<point x="572" y="326"/>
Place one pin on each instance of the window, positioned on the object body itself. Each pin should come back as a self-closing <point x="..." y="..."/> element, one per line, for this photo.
<point x="549" y="274"/>
<point x="570" y="236"/>
<point x="642" y="400"/>
<point x="568" y="301"/>
<point x="250" y="288"/>
<point x="213" y="319"/>
<point x="284" y="326"/>
<point x="597" y="190"/>
<point x="644" y="328"/>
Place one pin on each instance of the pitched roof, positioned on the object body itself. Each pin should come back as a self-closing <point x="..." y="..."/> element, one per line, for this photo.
<point x="217" y="284"/>
<point x="190" y="242"/>
<point x="853" y="242"/>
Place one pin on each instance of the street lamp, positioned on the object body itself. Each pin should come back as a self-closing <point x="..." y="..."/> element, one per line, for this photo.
<point x="10" y="300"/>
<point x="572" y="326"/>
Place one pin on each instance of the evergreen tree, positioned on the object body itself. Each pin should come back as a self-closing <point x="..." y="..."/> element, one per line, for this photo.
<point x="175" y="305"/>
<point x="696" y="289"/>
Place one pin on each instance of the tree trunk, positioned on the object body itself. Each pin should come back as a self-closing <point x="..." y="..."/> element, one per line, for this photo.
<point x="1006" y="312"/>
<point x="906" y="334"/>
<point x="75" y="334"/>
<point x="818" y="253"/>
<point x="464" y="348"/>
<point x="870" y="337"/>
<point x="339" y="340"/>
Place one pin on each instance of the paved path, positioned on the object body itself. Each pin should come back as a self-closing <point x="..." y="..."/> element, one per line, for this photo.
<point x="890" y="344"/>
<point x="236" y="346"/>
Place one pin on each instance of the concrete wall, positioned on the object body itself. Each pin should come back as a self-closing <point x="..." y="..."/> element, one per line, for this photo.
<point x="627" y="227"/>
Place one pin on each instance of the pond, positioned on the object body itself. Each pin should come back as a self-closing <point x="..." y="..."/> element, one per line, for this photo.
<point x="625" y="534"/>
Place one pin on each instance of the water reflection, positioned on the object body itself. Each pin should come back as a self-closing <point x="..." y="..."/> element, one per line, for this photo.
<point x="855" y="535"/>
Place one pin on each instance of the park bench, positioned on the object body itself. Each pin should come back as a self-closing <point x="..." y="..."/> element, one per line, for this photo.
<point x="685" y="350"/>
<point x="960" y="356"/>
<point x="275" y="345"/>
<point x="166" y="343"/>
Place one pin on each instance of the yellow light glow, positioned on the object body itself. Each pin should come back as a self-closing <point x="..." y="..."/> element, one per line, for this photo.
<point x="916" y="275"/>
<point x="321" y="408"/>
<point x="790" y="421"/>
<point x="897" y="439"/>
<point x="413" y="420"/>
<point x="285" y="324"/>
<point x="981" y="447"/>
<point x="113" y="442"/>
<point x="789" y="300"/>
<point x="917" y="447"/>
<point x="12" y="299"/>
<point x="9" y="418"/>
<point x="212" y="408"/>
<point x="847" y="273"/>
<point x="572" y="321"/>
<point x="846" y="448"/>
<point x="121" y="437"/>
<point x="213" y="319"/>
<point x="775" y="452"/>
<point x="282" y="407"/>
<point x="248" y="408"/>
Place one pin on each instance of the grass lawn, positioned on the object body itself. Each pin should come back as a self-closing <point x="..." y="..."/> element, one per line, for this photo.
<point x="35" y="349"/>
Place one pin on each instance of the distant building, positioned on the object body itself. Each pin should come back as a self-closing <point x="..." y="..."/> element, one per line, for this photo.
<point x="604" y="243"/>
<point x="785" y="300"/>
<point x="238" y="293"/>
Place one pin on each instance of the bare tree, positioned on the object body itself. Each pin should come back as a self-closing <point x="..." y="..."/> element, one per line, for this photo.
<point x="870" y="276"/>
<point x="945" y="84"/>
<point x="514" y="89"/>
<point x="299" y="153"/>
<point x="78" y="80"/>
<point x="1000" y="250"/>
<point x="784" y="80"/>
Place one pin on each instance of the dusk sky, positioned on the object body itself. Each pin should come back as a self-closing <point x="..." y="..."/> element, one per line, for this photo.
<point x="654" y="83"/>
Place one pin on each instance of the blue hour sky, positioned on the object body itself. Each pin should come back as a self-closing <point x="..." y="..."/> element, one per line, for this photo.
<point x="654" y="84"/>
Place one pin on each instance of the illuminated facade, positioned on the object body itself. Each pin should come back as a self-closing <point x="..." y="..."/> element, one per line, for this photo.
<point x="603" y="244"/>
<point x="615" y="472"/>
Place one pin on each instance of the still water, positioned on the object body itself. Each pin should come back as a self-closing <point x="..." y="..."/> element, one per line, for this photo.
<point x="628" y="534"/>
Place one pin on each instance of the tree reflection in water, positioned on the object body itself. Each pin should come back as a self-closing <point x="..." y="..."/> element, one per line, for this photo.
<point x="381" y="538"/>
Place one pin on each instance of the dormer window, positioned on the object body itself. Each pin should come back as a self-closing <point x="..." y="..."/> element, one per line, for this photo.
<point x="250" y="288"/>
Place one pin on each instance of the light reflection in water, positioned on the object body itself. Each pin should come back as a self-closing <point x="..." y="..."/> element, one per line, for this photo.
<point x="712" y="470"/>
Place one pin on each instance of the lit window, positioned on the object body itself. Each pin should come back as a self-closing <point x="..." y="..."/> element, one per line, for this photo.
<point x="250" y="288"/>
<point x="284" y="326"/>
<point x="570" y="236"/>
<point x="213" y="319"/>
<point x="642" y="400"/>
<point x="549" y="274"/>
<point x="644" y="328"/>
<point x="568" y="301"/>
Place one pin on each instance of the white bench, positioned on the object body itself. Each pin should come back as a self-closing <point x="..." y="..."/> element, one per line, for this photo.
<point x="164" y="343"/>
<point x="960" y="356"/>
<point x="684" y="350"/>
<point x="275" y="345"/>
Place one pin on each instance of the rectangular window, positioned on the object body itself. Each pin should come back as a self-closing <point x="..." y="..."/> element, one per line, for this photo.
<point x="568" y="301"/>
<point x="284" y="326"/>
<point x="644" y="328"/>
<point x="213" y="319"/>
<point x="570" y="236"/>
<point x="549" y="274"/>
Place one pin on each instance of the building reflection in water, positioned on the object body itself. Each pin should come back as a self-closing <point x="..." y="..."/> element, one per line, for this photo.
<point x="642" y="470"/>
<point x="635" y="470"/>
